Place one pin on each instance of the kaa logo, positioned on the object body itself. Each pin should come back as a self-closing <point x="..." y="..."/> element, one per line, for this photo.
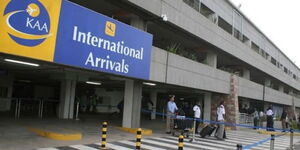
<point x="28" y="22"/>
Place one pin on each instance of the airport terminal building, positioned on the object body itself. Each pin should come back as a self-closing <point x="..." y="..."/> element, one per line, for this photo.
<point x="64" y="58"/>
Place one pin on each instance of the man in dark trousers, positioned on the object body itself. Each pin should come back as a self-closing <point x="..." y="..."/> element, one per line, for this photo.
<point x="270" y="122"/>
<point x="283" y="119"/>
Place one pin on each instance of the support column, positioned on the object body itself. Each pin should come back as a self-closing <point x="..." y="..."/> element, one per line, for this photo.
<point x="230" y="103"/>
<point x="138" y="23"/>
<point x="246" y="74"/>
<point x="292" y="109"/>
<point x="207" y="106"/>
<point x="6" y="82"/>
<point x="268" y="83"/>
<point x="281" y="88"/>
<point x="153" y="98"/>
<point x="211" y="59"/>
<point x="67" y="97"/>
<point x="132" y="104"/>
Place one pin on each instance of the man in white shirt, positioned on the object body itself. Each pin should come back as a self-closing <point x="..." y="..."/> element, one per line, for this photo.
<point x="171" y="109"/>
<point x="197" y="115"/>
<point x="270" y="122"/>
<point x="220" y="119"/>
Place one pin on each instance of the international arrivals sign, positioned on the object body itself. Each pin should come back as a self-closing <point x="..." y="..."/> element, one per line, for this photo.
<point x="65" y="33"/>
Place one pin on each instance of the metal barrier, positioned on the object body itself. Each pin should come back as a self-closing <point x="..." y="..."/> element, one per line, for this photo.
<point x="20" y="103"/>
<point x="272" y="138"/>
<point x="245" y="118"/>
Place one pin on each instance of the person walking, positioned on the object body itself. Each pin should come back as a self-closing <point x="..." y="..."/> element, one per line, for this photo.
<point x="255" y="119"/>
<point x="220" y="119"/>
<point x="283" y="119"/>
<point x="270" y="122"/>
<point x="197" y="115"/>
<point x="171" y="109"/>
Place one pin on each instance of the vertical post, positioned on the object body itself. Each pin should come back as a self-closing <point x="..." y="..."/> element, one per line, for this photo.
<point x="163" y="112"/>
<point x="272" y="142"/>
<point x="77" y="110"/>
<point x="291" y="139"/>
<point x="138" y="139"/>
<point x="42" y="109"/>
<point x="239" y="147"/>
<point x="104" y="132"/>
<point x="19" y="108"/>
<point x="40" y="103"/>
<point x="16" y="110"/>
<point x="180" y="143"/>
<point x="194" y="130"/>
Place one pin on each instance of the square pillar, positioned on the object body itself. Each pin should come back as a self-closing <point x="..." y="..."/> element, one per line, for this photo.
<point x="138" y="23"/>
<point x="268" y="83"/>
<point x="67" y="97"/>
<point x="281" y="88"/>
<point x="246" y="74"/>
<point x="230" y="103"/>
<point x="132" y="104"/>
<point x="207" y="106"/>
<point x="211" y="59"/>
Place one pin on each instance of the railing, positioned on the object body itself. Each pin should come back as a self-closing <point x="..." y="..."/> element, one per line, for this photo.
<point x="245" y="118"/>
<point x="21" y="105"/>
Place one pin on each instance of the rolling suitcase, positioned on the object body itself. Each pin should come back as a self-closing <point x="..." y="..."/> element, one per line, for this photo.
<point x="208" y="130"/>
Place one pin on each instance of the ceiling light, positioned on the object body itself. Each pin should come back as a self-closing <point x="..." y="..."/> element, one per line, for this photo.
<point x="21" y="62"/>
<point x="25" y="81"/>
<point x="93" y="83"/>
<point x="150" y="84"/>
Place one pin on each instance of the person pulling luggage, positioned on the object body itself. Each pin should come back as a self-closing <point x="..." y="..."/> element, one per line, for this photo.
<point x="197" y="115"/>
<point x="220" y="119"/>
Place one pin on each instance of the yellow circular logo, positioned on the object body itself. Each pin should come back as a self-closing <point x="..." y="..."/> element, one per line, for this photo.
<point x="33" y="10"/>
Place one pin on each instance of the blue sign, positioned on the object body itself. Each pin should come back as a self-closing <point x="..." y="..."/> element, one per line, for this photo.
<point x="90" y="40"/>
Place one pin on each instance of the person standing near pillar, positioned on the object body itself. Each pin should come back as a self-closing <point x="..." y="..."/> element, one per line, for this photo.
<point x="220" y="118"/>
<point x="270" y="121"/>
<point x="255" y="119"/>
<point x="171" y="109"/>
<point x="197" y="115"/>
<point x="283" y="119"/>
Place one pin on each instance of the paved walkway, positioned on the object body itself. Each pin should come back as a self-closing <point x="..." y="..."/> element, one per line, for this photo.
<point x="209" y="143"/>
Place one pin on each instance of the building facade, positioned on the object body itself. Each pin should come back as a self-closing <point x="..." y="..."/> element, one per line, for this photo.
<point x="204" y="49"/>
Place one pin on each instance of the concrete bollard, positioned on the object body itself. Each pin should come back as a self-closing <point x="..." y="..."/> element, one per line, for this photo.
<point x="104" y="132"/>
<point x="180" y="142"/>
<point x="138" y="139"/>
<point x="272" y="142"/>
<point x="291" y="139"/>
<point x="239" y="147"/>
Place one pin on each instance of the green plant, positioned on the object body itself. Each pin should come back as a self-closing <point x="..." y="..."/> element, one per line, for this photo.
<point x="294" y="125"/>
<point x="173" y="48"/>
<point x="193" y="57"/>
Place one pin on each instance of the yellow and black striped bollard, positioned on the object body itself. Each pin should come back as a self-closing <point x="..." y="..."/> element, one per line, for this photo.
<point x="103" y="139"/>
<point x="180" y="143"/>
<point x="138" y="139"/>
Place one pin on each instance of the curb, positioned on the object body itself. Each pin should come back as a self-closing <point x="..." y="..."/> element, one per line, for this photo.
<point x="134" y="130"/>
<point x="56" y="136"/>
<point x="276" y="133"/>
